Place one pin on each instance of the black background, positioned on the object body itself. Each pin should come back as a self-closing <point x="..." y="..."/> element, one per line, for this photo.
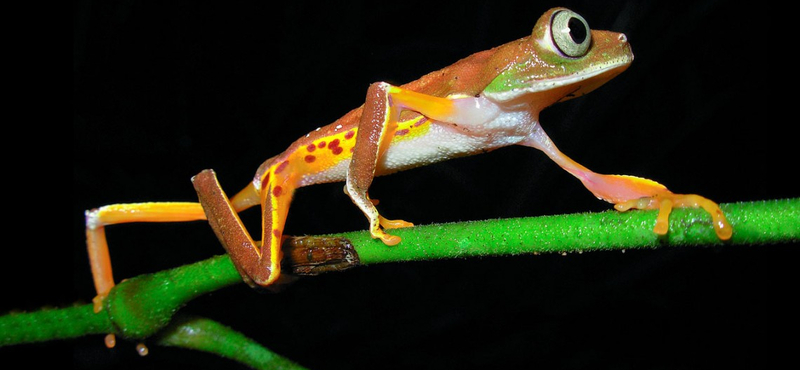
<point x="163" y="90"/>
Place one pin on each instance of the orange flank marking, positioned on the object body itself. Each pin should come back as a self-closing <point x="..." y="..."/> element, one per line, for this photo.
<point x="411" y="128"/>
<point x="327" y="152"/>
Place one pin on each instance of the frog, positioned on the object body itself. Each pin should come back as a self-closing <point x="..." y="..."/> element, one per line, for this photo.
<point x="483" y="102"/>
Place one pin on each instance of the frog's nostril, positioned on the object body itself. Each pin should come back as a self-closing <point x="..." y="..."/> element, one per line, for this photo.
<point x="622" y="37"/>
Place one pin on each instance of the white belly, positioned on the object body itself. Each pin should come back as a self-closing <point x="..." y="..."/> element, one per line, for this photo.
<point x="446" y="141"/>
<point x="441" y="142"/>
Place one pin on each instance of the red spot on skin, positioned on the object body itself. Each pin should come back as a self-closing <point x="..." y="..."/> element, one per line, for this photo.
<point x="276" y="191"/>
<point x="310" y="158"/>
<point x="349" y="135"/>
<point x="421" y="121"/>
<point x="335" y="148"/>
<point x="281" y="166"/>
<point x="321" y="144"/>
<point x="353" y="149"/>
<point x="276" y="233"/>
<point x="401" y="132"/>
<point x="311" y="148"/>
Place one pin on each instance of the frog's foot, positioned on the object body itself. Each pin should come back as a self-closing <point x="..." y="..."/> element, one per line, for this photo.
<point x="377" y="232"/>
<point x="97" y="302"/>
<point x="627" y="192"/>
<point x="388" y="239"/>
<point x="394" y="224"/>
<point x="664" y="200"/>
<point x="110" y="340"/>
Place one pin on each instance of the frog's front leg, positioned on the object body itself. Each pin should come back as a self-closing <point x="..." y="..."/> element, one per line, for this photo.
<point x="379" y="118"/>
<point x="627" y="192"/>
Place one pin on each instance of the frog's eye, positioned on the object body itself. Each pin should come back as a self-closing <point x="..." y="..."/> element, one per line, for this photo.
<point x="571" y="34"/>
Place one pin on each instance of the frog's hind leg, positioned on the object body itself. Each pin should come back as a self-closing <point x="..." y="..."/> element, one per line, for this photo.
<point x="627" y="192"/>
<point x="97" y="246"/>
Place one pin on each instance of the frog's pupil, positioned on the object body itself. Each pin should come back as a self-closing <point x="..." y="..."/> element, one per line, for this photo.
<point x="577" y="30"/>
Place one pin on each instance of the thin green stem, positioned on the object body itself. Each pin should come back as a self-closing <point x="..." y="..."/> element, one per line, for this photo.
<point x="210" y="336"/>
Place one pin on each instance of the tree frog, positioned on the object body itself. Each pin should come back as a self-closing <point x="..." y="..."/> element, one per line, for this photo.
<point x="483" y="102"/>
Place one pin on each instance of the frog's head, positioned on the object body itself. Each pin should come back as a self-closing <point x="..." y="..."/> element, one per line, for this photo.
<point x="562" y="59"/>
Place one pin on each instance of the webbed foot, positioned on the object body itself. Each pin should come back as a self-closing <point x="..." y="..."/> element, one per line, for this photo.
<point x="665" y="201"/>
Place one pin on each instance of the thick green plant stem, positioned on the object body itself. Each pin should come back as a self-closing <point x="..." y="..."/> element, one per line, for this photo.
<point x="135" y="309"/>
<point x="143" y="306"/>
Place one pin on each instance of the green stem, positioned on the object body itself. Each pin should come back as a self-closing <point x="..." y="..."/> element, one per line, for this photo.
<point x="52" y="324"/>
<point x="210" y="336"/>
<point x="762" y="223"/>
<point x="142" y="306"/>
<point x="136" y="308"/>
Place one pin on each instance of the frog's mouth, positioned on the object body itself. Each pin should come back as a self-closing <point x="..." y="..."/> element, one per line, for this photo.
<point x="586" y="81"/>
<point x="557" y="89"/>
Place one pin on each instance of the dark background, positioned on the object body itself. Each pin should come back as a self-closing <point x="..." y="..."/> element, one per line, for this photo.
<point x="163" y="90"/>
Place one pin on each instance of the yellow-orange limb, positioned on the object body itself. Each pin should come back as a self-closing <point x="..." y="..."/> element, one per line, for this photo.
<point x="394" y="224"/>
<point x="277" y="197"/>
<point x="433" y="107"/>
<point x="627" y="192"/>
<point x="98" y="218"/>
<point x="97" y="246"/>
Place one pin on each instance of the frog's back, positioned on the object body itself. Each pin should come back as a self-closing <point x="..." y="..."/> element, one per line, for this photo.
<point x="323" y="155"/>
